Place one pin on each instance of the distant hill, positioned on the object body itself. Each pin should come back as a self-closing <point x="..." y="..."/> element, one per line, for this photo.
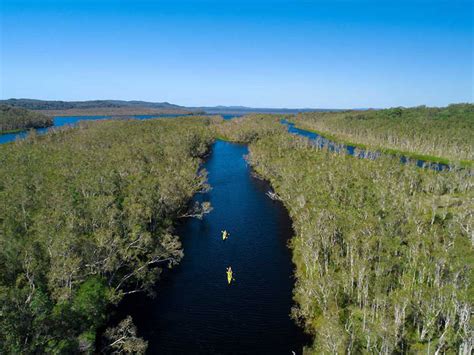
<point x="32" y="104"/>
<point x="97" y="107"/>
<point x="118" y="107"/>
<point x="15" y="118"/>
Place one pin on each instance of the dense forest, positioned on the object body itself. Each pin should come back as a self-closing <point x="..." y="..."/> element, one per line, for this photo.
<point x="383" y="251"/>
<point x="248" y="128"/>
<point x="433" y="134"/>
<point x="86" y="217"/>
<point x="17" y="119"/>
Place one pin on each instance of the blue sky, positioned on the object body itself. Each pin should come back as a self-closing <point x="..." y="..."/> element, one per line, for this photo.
<point x="280" y="53"/>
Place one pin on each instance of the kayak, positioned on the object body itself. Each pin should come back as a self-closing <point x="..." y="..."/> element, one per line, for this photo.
<point x="229" y="275"/>
<point x="225" y="235"/>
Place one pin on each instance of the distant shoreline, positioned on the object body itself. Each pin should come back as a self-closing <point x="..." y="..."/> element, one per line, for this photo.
<point x="109" y="111"/>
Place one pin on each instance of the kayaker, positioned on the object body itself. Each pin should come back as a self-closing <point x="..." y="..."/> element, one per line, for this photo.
<point x="229" y="275"/>
<point x="225" y="235"/>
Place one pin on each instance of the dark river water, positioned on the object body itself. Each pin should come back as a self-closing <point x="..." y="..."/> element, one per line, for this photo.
<point x="196" y="311"/>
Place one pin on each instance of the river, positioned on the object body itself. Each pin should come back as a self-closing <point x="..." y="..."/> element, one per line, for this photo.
<point x="196" y="311"/>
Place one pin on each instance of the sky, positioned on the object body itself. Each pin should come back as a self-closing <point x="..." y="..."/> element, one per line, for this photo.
<point x="260" y="53"/>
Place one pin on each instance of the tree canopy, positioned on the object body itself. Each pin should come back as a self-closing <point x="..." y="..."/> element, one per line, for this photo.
<point x="13" y="118"/>
<point x="383" y="251"/>
<point x="435" y="134"/>
<point x="86" y="217"/>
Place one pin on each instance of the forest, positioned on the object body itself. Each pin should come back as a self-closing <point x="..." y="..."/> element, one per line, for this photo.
<point x="13" y="119"/>
<point x="442" y="135"/>
<point x="86" y="217"/>
<point x="383" y="251"/>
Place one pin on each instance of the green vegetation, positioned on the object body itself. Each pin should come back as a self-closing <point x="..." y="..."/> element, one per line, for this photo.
<point x="14" y="119"/>
<point x="383" y="251"/>
<point x="433" y="134"/>
<point x="248" y="128"/>
<point x="86" y="217"/>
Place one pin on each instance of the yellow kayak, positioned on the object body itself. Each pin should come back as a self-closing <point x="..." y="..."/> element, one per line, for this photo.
<point x="229" y="275"/>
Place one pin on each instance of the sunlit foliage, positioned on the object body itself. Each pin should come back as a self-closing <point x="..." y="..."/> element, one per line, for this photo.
<point x="248" y="128"/>
<point x="383" y="251"/>
<point x="436" y="133"/>
<point x="86" y="217"/>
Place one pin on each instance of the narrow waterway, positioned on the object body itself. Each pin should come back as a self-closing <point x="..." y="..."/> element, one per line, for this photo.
<point x="321" y="141"/>
<point x="196" y="311"/>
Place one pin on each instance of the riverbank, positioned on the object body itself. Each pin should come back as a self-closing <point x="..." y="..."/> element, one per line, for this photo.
<point x="436" y="135"/>
<point x="361" y="237"/>
<point x="88" y="219"/>
<point x="394" y="152"/>
<point x="363" y="230"/>
<point x="15" y="120"/>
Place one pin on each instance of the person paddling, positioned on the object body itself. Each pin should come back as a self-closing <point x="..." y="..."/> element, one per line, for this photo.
<point x="225" y="235"/>
<point x="230" y="277"/>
